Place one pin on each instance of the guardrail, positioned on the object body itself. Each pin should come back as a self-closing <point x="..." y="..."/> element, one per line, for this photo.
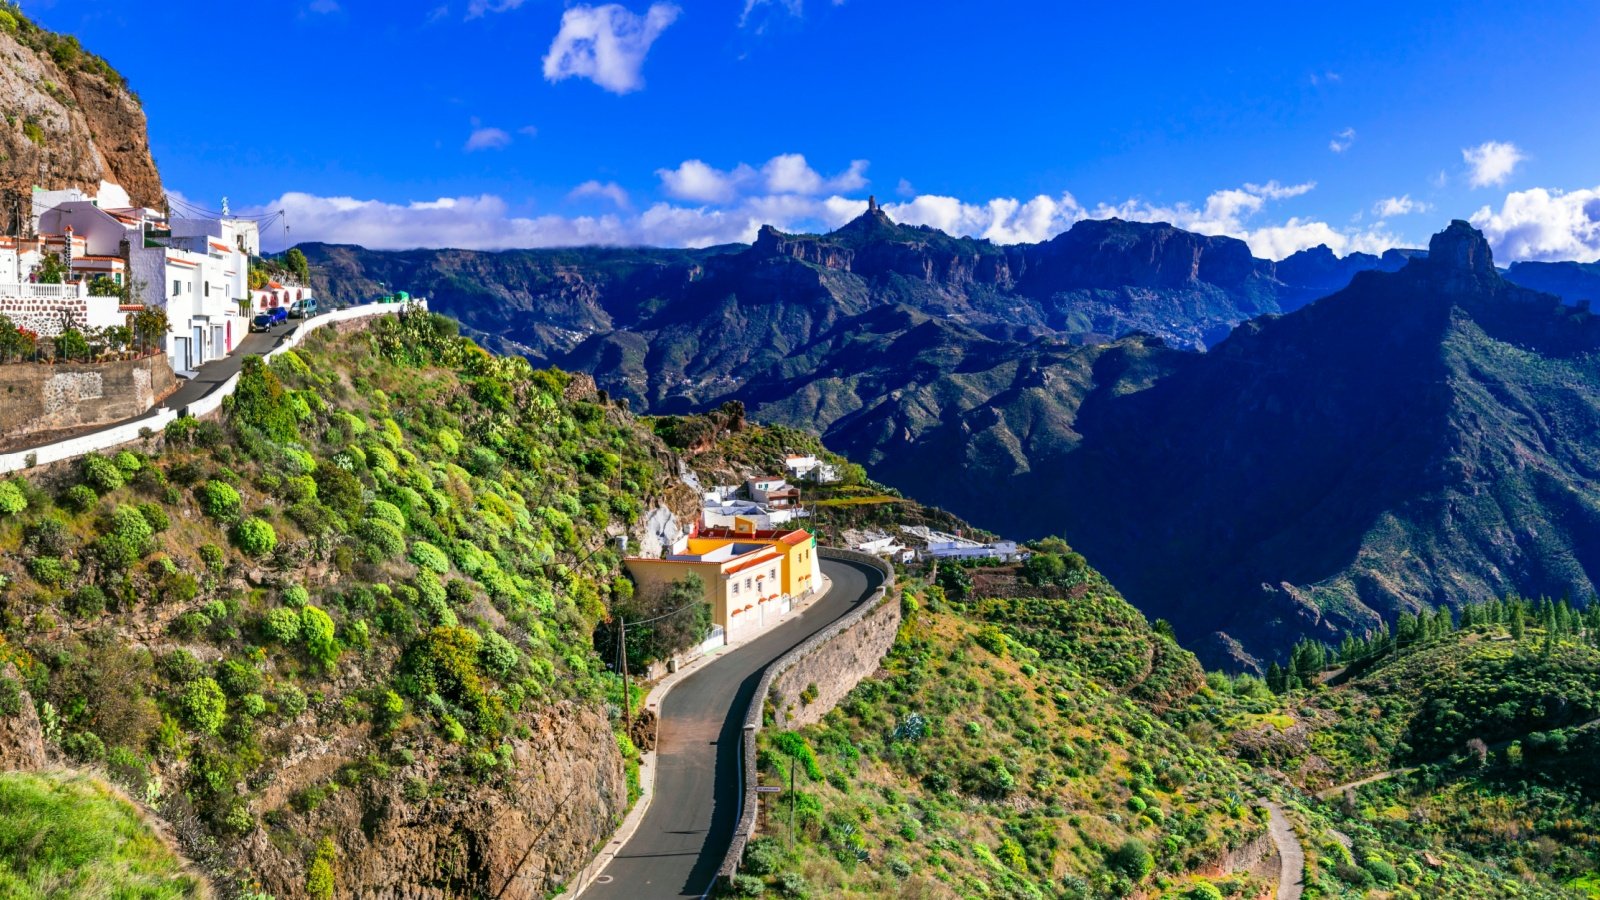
<point x="753" y="716"/>
<point x="155" y="421"/>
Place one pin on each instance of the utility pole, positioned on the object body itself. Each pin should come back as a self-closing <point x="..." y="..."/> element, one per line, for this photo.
<point x="627" y="695"/>
<point x="791" y="803"/>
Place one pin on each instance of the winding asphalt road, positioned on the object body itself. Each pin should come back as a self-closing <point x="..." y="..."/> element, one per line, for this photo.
<point x="681" y="841"/>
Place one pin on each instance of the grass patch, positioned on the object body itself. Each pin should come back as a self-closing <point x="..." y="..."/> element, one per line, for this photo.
<point x="67" y="835"/>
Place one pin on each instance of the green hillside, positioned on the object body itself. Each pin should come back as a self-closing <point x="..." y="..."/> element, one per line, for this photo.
<point x="362" y="602"/>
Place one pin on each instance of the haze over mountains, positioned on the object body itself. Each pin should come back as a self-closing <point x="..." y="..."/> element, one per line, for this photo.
<point x="1420" y="436"/>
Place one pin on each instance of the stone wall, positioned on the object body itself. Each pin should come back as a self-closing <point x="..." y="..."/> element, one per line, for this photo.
<point x="46" y="315"/>
<point x="39" y="398"/>
<point x="857" y="635"/>
<point x="834" y="667"/>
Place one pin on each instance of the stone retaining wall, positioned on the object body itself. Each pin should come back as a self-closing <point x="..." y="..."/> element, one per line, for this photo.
<point x="849" y="643"/>
<point x="36" y="398"/>
<point x="46" y="315"/>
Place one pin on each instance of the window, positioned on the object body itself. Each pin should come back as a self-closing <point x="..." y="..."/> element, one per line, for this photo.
<point x="747" y="584"/>
<point x="736" y="588"/>
<point x="208" y="289"/>
<point x="177" y="287"/>
<point x="772" y="573"/>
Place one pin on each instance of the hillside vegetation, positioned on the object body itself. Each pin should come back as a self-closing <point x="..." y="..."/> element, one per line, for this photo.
<point x="330" y="633"/>
<point x="1480" y="735"/>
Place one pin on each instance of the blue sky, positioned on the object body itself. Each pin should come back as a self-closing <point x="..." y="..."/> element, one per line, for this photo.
<point x="493" y="123"/>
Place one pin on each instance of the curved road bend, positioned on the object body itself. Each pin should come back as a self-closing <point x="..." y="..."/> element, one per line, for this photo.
<point x="680" y="843"/>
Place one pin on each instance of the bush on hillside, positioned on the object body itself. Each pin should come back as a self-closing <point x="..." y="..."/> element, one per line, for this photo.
<point x="255" y="537"/>
<point x="220" y="501"/>
<point x="101" y="474"/>
<point x="12" y="499"/>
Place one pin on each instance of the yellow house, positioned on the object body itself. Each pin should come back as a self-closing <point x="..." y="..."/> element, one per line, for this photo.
<point x="802" y="570"/>
<point x="742" y="580"/>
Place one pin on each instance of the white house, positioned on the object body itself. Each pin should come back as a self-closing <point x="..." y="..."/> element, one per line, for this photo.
<point x="809" y="468"/>
<point x="772" y="491"/>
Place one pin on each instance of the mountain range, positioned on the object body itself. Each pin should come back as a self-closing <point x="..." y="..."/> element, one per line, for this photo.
<point x="1416" y="437"/>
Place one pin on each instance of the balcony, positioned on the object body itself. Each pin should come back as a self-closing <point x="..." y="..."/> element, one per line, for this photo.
<point x="30" y="291"/>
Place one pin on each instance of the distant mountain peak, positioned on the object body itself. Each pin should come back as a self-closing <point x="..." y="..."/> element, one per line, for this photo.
<point x="873" y="221"/>
<point x="1462" y="252"/>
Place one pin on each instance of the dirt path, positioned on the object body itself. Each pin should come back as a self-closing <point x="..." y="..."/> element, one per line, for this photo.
<point x="1338" y="789"/>
<point x="1291" y="858"/>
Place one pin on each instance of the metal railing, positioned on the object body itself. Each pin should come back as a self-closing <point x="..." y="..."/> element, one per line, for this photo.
<point x="29" y="291"/>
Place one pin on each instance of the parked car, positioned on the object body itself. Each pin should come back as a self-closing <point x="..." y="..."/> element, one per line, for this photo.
<point x="267" y="318"/>
<point x="303" y="309"/>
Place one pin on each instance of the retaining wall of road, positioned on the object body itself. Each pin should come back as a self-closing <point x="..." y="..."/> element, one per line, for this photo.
<point x="116" y="436"/>
<point x="835" y="659"/>
<point x="40" y="398"/>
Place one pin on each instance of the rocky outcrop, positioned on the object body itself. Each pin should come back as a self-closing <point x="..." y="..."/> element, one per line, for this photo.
<point x="523" y="832"/>
<point x="69" y="122"/>
<point x="21" y="738"/>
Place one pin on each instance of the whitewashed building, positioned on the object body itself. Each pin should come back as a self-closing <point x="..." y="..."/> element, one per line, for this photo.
<point x="809" y="468"/>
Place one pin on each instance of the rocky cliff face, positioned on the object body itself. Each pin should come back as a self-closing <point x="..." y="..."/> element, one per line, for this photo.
<point x="520" y="836"/>
<point x="70" y="121"/>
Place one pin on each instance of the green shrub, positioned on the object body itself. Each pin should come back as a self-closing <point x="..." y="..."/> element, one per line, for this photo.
<point x="127" y="462"/>
<point x="10" y="697"/>
<point x="428" y="556"/>
<point x="101" y="474"/>
<point x="498" y="656"/>
<point x="380" y="540"/>
<point x="384" y="511"/>
<point x="127" y="540"/>
<point x="319" y="875"/>
<point x="1132" y="860"/>
<point x="87" y="601"/>
<point x="79" y="498"/>
<point x="296" y="596"/>
<point x="300" y="489"/>
<point x="1203" y="891"/>
<point x="50" y="571"/>
<point x="203" y="705"/>
<point x="155" y="515"/>
<point x="213" y="556"/>
<point x="291" y="701"/>
<point x="220" y="501"/>
<point x="255" y="537"/>
<point x="282" y="626"/>
<point x="316" y="629"/>
<point x="12" y="499"/>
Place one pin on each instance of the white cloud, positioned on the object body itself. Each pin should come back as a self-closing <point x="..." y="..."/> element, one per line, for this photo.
<point x="695" y="180"/>
<point x="795" y="8"/>
<point x="789" y="173"/>
<point x="1003" y="220"/>
<point x="324" y="7"/>
<point x="1491" y="162"/>
<point x="786" y="173"/>
<point x="1399" y="206"/>
<point x="609" y="190"/>
<point x="606" y="44"/>
<point x="730" y="206"/>
<point x="487" y="139"/>
<point x="1543" y="224"/>
<point x="479" y="8"/>
<point x="905" y="189"/>
<point x="1228" y="212"/>
<point x="528" y="131"/>
<point x="1342" y="141"/>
